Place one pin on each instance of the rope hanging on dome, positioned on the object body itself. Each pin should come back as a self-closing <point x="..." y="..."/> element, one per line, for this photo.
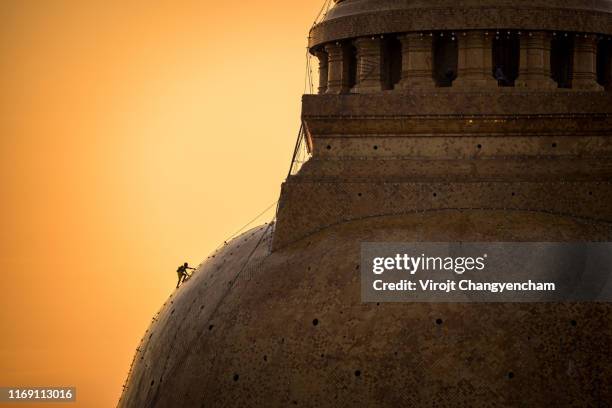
<point x="297" y="157"/>
<point x="323" y="12"/>
<point x="301" y="152"/>
<point x="298" y="142"/>
<point x="250" y="222"/>
<point x="308" y="82"/>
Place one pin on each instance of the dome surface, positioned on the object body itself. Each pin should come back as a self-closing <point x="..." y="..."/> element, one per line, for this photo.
<point x="255" y="328"/>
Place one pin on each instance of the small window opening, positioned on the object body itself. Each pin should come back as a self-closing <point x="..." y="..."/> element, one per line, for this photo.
<point x="446" y="55"/>
<point x="506" y="56"/>
<point x="562" y="60"/>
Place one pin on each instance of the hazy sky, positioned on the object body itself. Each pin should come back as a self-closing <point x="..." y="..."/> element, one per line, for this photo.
<point x="133" y="136"/>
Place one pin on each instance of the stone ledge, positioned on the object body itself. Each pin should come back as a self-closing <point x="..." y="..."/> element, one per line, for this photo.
<point x="455" y="18"/>
<point x="457" y="104"/>
<point x="534" y="169"/>
<point x="306" y="207"/>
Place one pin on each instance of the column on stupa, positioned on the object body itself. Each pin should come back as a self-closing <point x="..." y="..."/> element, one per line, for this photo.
<point x="323" y="70"/>
<point x="585" y="63"/>
<point x="337" y="69"/>
<point x="475" y="65"/>
<point x="534" y="69"/>
<point x="417" y="65"/>
<point x="369" y="60"/>
<point x="608" y="68"/>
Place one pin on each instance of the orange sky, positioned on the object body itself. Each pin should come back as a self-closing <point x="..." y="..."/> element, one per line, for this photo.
<point x="133" y="136"/>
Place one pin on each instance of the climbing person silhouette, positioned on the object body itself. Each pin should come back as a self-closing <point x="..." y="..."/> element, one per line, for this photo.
<point x="182" y="273"/>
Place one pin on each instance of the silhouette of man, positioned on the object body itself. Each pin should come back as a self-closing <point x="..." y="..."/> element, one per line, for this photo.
<point x="449" y="75"/>
<point x="500" y="76"/>
<point x="182" y="273"/>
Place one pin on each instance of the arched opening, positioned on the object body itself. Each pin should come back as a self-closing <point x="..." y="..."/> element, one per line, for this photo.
<point x="506" y="59"/>
<point x="391" y="63"/>
<point x="445" y="57"/>
<point x="350" y="59"/>
<point x="562" y="60"/>
<point x="604" y="63"/>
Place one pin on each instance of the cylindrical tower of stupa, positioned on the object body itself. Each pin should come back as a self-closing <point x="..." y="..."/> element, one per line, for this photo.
<point x="434" y="121"/>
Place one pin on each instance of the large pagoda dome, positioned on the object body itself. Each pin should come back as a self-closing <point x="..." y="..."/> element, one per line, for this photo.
<point x="435" y="121"/>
